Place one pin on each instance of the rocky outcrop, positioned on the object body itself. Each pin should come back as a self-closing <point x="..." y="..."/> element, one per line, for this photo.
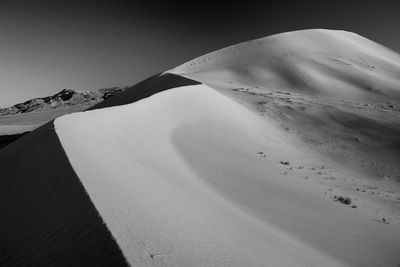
<point x="66" y="97"/>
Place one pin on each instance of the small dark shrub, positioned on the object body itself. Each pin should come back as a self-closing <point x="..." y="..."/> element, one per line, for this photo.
<point x="343" y="200"/>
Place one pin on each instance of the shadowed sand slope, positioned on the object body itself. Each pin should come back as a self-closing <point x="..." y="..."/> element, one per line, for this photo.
<point x="146" y="88"/>
<point x="7" y="139"/>
<point x="249" y="168"/>
<point x="189" y="177"/>
<point x="47" y="217"/>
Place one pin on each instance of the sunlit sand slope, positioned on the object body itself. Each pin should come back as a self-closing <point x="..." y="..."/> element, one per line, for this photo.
<point x="189" y="177"/>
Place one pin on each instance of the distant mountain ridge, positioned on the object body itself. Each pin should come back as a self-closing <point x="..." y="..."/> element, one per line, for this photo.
<point x="64" y="98"/>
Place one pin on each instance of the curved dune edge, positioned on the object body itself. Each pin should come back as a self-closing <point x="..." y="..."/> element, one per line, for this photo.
<point x="47" y="218"/>
<point x="336" y="93"/>
<point x="178" y="181"/>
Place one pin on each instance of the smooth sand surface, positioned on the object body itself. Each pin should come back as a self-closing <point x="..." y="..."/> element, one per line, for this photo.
<point x="189" y="177"/>
<point x="5" y="140"/>
<point x="152" y="85"/>
<point x="336" y="64"/>
<point x="47" y="218"/>
<point x="336" y="95"/>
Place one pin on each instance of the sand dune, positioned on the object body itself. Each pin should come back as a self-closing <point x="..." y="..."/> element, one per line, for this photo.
<point x="338" y="64"/>
<point x="252" y="168"/>
<point x="335" y="93"/>
<point x="47" y="216"/>
<point x="179" y="180"/>
<point x="282" y="151"/>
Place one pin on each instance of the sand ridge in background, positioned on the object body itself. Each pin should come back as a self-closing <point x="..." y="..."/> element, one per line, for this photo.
<point x="336" y="93"/>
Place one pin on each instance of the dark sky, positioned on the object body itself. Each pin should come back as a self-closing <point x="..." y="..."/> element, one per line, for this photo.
<point x="46" y="46"/>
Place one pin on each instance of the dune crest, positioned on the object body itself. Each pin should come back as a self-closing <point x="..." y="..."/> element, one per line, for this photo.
<point x="281" y="151"/>
<point x="318" y="62"/>
<point x="189" y="186"/>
